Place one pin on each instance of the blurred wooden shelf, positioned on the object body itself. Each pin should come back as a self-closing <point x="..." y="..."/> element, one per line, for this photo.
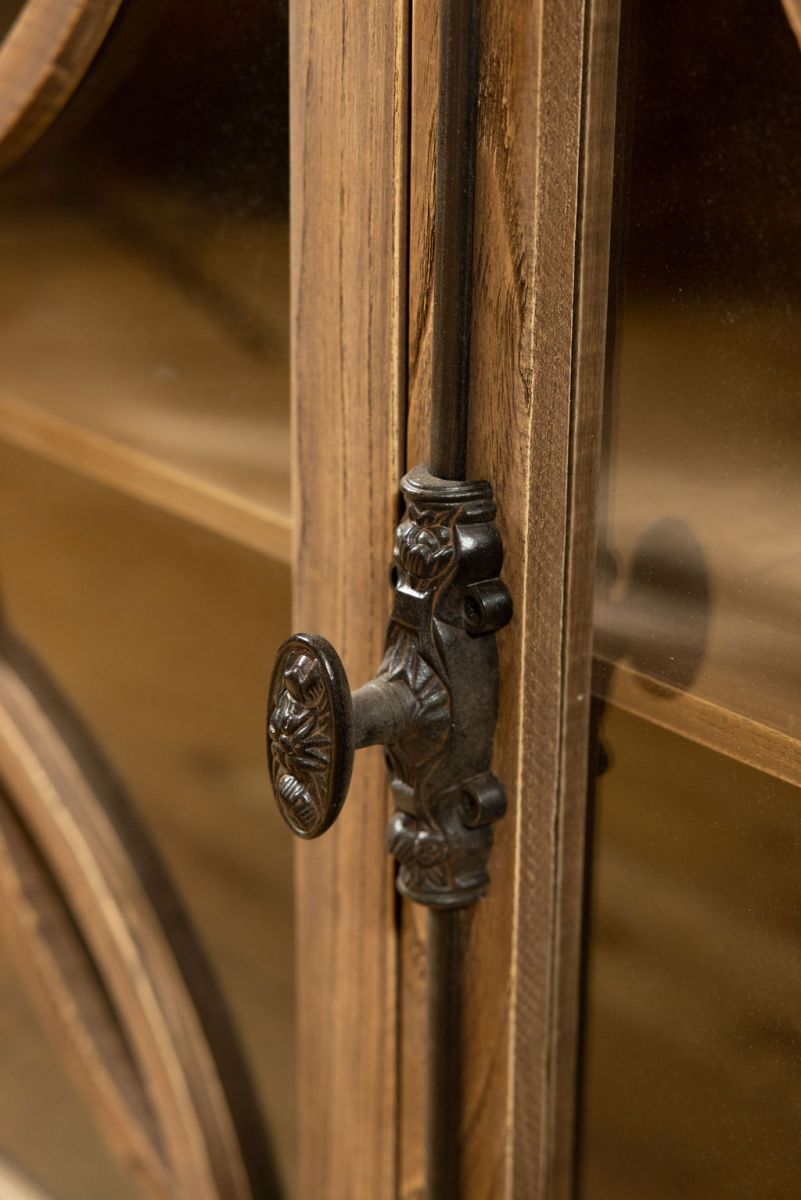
<point x="104" y="460"/>
<point x="151" y="355"/>
<point x="702" y="721"/>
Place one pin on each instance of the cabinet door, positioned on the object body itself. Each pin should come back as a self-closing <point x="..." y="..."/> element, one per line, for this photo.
<point x="144" y="552"/>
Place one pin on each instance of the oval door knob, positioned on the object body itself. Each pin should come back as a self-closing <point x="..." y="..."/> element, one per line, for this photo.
<point x="314" y="725"/>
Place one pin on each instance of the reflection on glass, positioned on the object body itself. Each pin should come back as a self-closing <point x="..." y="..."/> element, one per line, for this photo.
<point x="161" y="634"/>
<point x="704" y="428"/>
<point x="693" y="1041"/>
<point x="144" y="243"/>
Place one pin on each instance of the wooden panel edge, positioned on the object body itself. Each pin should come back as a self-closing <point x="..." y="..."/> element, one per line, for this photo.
<point x="348" y="185"/>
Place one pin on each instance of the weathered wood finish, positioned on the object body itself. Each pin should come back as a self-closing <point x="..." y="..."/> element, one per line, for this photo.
<point x="349" y="180"/>
<point x="542" y="238"/>
<point x="43" y="58"/>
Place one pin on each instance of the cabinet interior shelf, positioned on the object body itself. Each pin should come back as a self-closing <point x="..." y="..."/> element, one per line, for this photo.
<point x="107" y="461"/>
<point x="146" y="348"/>
<point x="703" y="721"/>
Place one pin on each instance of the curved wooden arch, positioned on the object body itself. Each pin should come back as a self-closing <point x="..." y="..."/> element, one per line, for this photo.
<point x="113" y="960"/>
<point x="43" y="58"/>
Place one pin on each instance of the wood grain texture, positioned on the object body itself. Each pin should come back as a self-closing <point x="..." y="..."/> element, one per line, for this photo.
<point x="542" y="236"/>
<point x="348" y="185"/>
<point x="424" y="47"/>
<point x="43" y="58"/>
<point x="193" y="1101"/>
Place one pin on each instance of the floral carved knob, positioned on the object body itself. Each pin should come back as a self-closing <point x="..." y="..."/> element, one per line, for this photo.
<point x="309" y="733"/>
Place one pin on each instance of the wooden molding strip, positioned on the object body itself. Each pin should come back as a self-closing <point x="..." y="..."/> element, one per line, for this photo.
<point x="101" y="458"/>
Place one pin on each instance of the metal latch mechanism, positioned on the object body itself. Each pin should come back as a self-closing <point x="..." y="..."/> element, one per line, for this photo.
<point x="432" y="705"/>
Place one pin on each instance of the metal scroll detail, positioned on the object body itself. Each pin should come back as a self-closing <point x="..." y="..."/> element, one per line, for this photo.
<point x="449" y="602"/>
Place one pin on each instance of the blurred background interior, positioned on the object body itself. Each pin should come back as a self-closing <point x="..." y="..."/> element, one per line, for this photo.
<point x="145" y="547"/>
<point x="144" y="491"/>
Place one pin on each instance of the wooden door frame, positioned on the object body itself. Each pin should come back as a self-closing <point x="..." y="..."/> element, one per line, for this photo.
<point x="363" y="86"/>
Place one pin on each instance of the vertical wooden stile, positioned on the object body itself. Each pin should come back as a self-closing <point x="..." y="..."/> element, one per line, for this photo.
<point x="349" y="175"/>
<point x="545" y="156"/>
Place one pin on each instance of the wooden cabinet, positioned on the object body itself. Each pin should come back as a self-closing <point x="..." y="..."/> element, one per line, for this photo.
<point x="230" y="218"/>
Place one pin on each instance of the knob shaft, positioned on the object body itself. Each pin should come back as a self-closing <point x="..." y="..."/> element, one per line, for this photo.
<point x="314" y="725"/>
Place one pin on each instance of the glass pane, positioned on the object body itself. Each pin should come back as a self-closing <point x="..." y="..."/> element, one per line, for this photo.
<point x="144" y="292"/>
<point x="162" y="635"/>
<point x="704" y="432"/>
<point x="144" y="355"/>
<point x="693" y="1042"/>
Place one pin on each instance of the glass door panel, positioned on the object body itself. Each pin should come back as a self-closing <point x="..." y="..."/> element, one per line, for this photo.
<point x="162" y="634"/>
<point x="704" y="431"/>
<point x="144" y="462"/>
<point x="692" y="1064"/>
<point x="144" y="293"/>
<point x="693" y="1042"/>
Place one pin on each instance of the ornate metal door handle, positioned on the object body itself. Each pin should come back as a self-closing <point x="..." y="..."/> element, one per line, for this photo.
<point x="432" y="705"/>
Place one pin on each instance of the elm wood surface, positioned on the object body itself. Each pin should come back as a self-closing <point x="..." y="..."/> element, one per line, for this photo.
<point x="110" y="366"/>
<point x="543" y="193"/>
<point x="115" y="596"/>
<point x="43" y="58"/>
<point x="348" y="187"/>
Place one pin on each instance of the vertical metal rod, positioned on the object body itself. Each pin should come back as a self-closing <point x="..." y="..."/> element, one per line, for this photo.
<point x="444" y="1085"/>
<point x="453" y="236"/>
<point x="453" y="287"/>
